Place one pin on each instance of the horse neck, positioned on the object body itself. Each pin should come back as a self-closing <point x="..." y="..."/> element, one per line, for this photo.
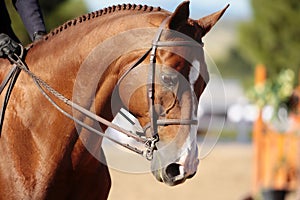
<point x="57" y="60"/>
<point x="59" y="57"/>
<point x="4" y="68"/>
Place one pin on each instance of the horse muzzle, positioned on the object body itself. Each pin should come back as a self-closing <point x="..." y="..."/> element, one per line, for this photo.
<point x="173" y="174"/>
<point x="177" y="172"/>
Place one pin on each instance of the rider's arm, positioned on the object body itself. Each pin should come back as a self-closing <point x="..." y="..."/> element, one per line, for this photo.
<point x="31" y="15"/>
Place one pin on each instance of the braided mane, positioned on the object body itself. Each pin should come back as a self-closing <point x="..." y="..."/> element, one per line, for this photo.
<point x="98" y="13"/>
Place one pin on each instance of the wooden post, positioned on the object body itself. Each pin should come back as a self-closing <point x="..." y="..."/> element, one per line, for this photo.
<point x="260" y="74"/>
<point x="258" y="137"/>
<point x="276" y="159"/>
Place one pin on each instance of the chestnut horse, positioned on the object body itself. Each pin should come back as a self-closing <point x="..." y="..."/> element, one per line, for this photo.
<point x="44" y="155"/>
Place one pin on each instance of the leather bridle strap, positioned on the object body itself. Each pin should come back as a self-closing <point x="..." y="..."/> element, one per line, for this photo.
<point x="154" y="122"/>
<point x="137" y="63"/>
<point x="168" y="122"/>
<point x="11" y="77"/>
<point x="149" y="142"/>
<point x="151" y="81"/>
<point x="177" y="43"/>
<point x="7" y="78"/>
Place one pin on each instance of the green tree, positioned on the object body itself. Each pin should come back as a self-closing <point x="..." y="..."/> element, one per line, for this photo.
<point x="235" y="66"/>
<point x="272" y="37"/>
<point x="63" y="11"/>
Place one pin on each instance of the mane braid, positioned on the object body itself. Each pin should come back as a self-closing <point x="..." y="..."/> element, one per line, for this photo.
<point x="98" y="13"/>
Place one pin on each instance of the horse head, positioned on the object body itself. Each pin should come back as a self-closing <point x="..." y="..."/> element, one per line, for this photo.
<point x="163" y="92"/>
<point x="44" y="154"/>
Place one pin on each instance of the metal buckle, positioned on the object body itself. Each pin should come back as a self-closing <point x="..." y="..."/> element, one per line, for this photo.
<point x="150" y="145"/>
<point x="14" y="58"/>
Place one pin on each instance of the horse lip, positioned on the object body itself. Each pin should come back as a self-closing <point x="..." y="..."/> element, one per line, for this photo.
<point x="162" y="177"/>
<point x="170" y="182"/>
<point x="174" y="181"/>
<point x="191" y="175"/>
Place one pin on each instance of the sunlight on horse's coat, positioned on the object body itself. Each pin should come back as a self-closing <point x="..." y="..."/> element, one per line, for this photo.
<point x="44" y="155"/>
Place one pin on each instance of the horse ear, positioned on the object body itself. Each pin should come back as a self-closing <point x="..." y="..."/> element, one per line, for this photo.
<point x="180" y="16"/>
<point x="209" y="21"/>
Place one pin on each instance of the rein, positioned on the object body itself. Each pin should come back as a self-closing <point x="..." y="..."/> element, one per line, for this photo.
<point x="149" y="142"/>
<point x="11" y="77"/>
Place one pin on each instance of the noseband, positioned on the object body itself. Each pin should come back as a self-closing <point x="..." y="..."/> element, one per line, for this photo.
<point x="149" y="142"/>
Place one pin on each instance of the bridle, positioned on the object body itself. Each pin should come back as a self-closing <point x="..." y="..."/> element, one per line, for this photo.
<point x="149" y="142"/>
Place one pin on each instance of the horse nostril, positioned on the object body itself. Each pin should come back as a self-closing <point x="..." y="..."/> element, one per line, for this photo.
<point x="173" y="170"/>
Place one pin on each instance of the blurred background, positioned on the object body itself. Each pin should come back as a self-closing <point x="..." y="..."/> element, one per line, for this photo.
<point x="255" y="47"/>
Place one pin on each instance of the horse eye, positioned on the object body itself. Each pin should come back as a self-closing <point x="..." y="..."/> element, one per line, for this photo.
<point x="169" y="80"/>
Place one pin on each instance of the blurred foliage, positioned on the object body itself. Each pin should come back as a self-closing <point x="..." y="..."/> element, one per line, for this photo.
<point x="235" y="66"/>
<point x="275" y="91"/>
<point x="55" y="13"/>
<point x="272" y="36"/>
<point x="49" y="6"/>
<point x="64" y="11"/>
